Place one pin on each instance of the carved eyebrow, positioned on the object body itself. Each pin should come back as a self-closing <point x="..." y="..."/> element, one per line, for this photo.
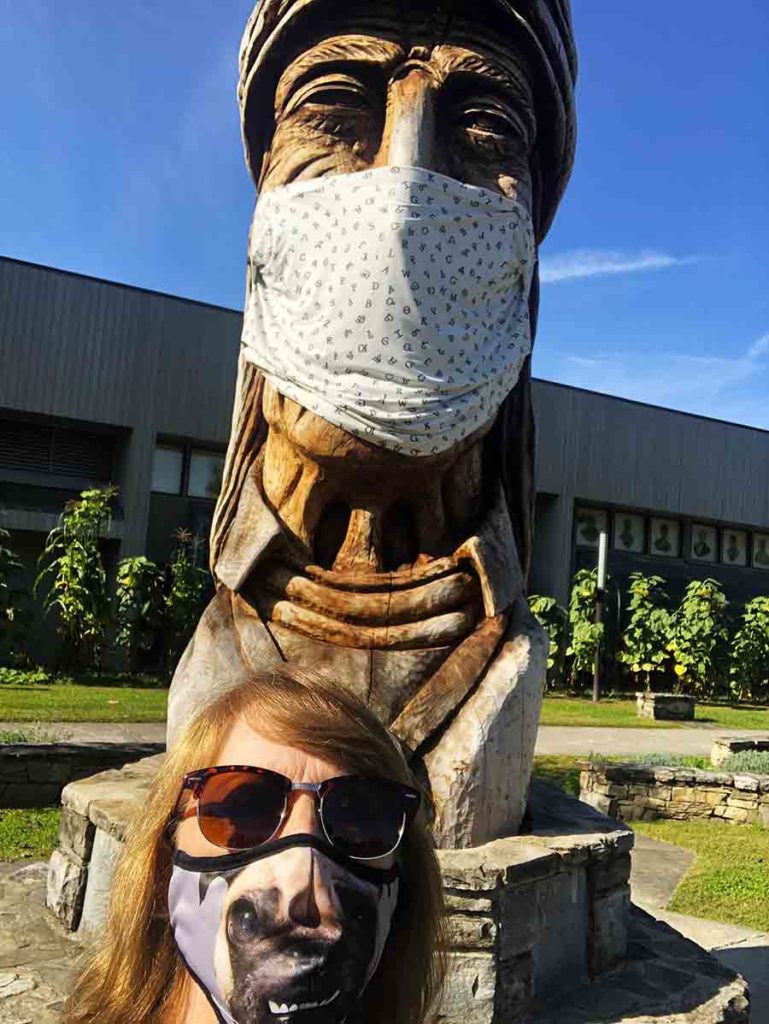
<point x="482" y="67"/>
<point x="345" y="50"/>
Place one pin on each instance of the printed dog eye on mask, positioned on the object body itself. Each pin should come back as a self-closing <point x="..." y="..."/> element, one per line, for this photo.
<point x="292" y="932"/>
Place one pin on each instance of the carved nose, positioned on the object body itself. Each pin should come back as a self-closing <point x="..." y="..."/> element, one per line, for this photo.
<point x="409" y="138"/>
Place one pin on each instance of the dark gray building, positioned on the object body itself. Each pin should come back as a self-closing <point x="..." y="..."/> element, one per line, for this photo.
<point x="101" y="382"/>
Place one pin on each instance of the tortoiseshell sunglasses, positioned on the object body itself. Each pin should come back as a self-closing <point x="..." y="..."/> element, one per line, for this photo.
<point x="241" y="807"/>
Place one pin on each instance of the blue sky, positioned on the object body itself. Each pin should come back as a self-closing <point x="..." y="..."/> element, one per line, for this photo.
<point x="121" y="158"/>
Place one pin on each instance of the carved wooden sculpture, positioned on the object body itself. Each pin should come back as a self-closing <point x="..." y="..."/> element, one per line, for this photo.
<point x="400" y="575"/>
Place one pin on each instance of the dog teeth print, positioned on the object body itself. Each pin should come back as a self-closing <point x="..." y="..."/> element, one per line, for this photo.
<point x="392" y="302"/>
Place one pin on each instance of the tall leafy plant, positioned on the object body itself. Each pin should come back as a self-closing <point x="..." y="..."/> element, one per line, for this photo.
<point x="698" y="639"/>
<point x="749" y="656"/>
<point x="553" y="618"/>
<point x="15" y="616"/>
<point x="139" y="607"/>
<point x="187" y="585"/>
<point x="75" y="578"/>
<point x="644" y="647"/>
<point x="585" y="634"/>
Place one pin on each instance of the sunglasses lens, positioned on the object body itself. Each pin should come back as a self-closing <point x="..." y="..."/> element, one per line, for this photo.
<point x="239" y="810"/>
<point x="365" y="818"/>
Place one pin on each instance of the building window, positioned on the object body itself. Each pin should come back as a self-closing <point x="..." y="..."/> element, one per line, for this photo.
<point x="205" y="478"/>
<point x="168" y="469"/>
<point x="184" y="470"/>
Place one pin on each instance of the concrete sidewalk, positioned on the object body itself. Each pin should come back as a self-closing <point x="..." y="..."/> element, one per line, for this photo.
<point x="552" y="739"/>
<point x="571" y="739"/>
<point x="657" y="870"/>
<point x="92" y="732"/>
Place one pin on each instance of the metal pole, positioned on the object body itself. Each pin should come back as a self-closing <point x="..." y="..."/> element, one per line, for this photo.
<point x="603" y="552"/>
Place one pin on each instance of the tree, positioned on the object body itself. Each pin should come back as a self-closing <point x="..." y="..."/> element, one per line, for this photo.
<point x="553" y="618"/>
<point x="139" y="607"/>
<point x="76" y="578"/>
<point x="749" y="658"/>
<point x="15" y="615"/>
<point x="645" y="638"/>
<point x="699" y="636"/>
<point x="585" y="634"/>
<point x="185" y="596"/>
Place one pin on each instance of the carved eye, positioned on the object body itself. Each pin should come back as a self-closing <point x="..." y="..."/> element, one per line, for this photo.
<point x="332" y="92"/>
<point x="487" y="120"/>
<point x="338" y="96"/>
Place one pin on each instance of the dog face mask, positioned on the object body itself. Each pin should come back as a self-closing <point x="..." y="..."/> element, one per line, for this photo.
<point x="291" y="933"/>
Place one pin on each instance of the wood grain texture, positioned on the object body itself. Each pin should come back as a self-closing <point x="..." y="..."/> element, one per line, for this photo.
<point x="444" y="692"/>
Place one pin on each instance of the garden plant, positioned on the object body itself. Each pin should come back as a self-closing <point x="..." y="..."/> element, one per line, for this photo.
<point x="644" y="647"/>
<point x="184" y="600"/>
<point x="139" y="608"/>
<point x="76" y="579"/>
<point x="749" y="655"/>
<point x="15" y="616"/>
<point x="698" y="638"/>
<point x="585" y="634"/>
<point x="554" y="619"/>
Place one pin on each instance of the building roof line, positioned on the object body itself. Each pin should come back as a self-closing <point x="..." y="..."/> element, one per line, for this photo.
<point x="239" y="312"/>
<point x="119" y="284"/>
<point x="651" y="405"/>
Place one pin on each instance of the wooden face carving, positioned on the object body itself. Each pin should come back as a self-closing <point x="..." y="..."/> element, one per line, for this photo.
<point x="372" y="87"/>
<point x="379" y="89"/>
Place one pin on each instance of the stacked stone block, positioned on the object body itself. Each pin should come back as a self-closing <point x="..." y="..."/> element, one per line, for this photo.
<point x="665" y="707"/>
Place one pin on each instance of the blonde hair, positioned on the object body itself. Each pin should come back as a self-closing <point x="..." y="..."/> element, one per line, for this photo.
<point x="136" y="976"/>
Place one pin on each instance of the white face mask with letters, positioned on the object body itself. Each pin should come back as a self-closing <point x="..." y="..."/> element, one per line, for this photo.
<point x="392" y="302"/>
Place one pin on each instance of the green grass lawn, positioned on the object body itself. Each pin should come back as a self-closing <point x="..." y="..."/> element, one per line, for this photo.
<point x="561" y="770"/>
<point x="729" y="880"/>
<point x="28" y="833"/>
<point x="74" y="703"/>
<point x="621" y="714"/>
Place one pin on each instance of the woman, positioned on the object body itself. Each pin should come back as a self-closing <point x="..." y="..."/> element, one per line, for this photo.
<point x="281" y="873"/>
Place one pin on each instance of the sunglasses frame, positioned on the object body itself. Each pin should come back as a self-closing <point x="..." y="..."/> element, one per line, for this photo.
<point x="196" y="780"/>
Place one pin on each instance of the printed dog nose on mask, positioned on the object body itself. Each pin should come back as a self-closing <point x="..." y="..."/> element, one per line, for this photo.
<point x="392" y="302"/>
<point x="291" y="932"/>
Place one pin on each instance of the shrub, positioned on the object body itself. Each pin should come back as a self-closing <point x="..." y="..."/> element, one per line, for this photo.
<point x="139" y="607"/>
<point x="749" y="657"/>
<point x="585" y="634"/>
<point x="25" y="677"/>
<point x="553" y="618"/>
<point x="28" y="734"/>
<point x="76" y="579"/>
<point x="15" y="616"/>
<point x="645" y="638"/>
<point x="698" y="638"/>
<point x="655" y="760"/>
<point x="756" y="761"/>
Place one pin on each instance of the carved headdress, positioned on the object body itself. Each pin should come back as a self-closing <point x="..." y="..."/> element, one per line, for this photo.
<point x="541" y="31"/>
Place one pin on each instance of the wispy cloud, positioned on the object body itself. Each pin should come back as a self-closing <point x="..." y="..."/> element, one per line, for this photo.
<point x="579" y="263"/>
<point x="760" y="347"/>
<point x="725" y="386"/>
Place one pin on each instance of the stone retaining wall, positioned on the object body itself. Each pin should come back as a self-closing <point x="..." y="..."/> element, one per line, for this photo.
<point x="725" y="746"/>
<point x="633" y="792"/>
<point x="34" y="774"/>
